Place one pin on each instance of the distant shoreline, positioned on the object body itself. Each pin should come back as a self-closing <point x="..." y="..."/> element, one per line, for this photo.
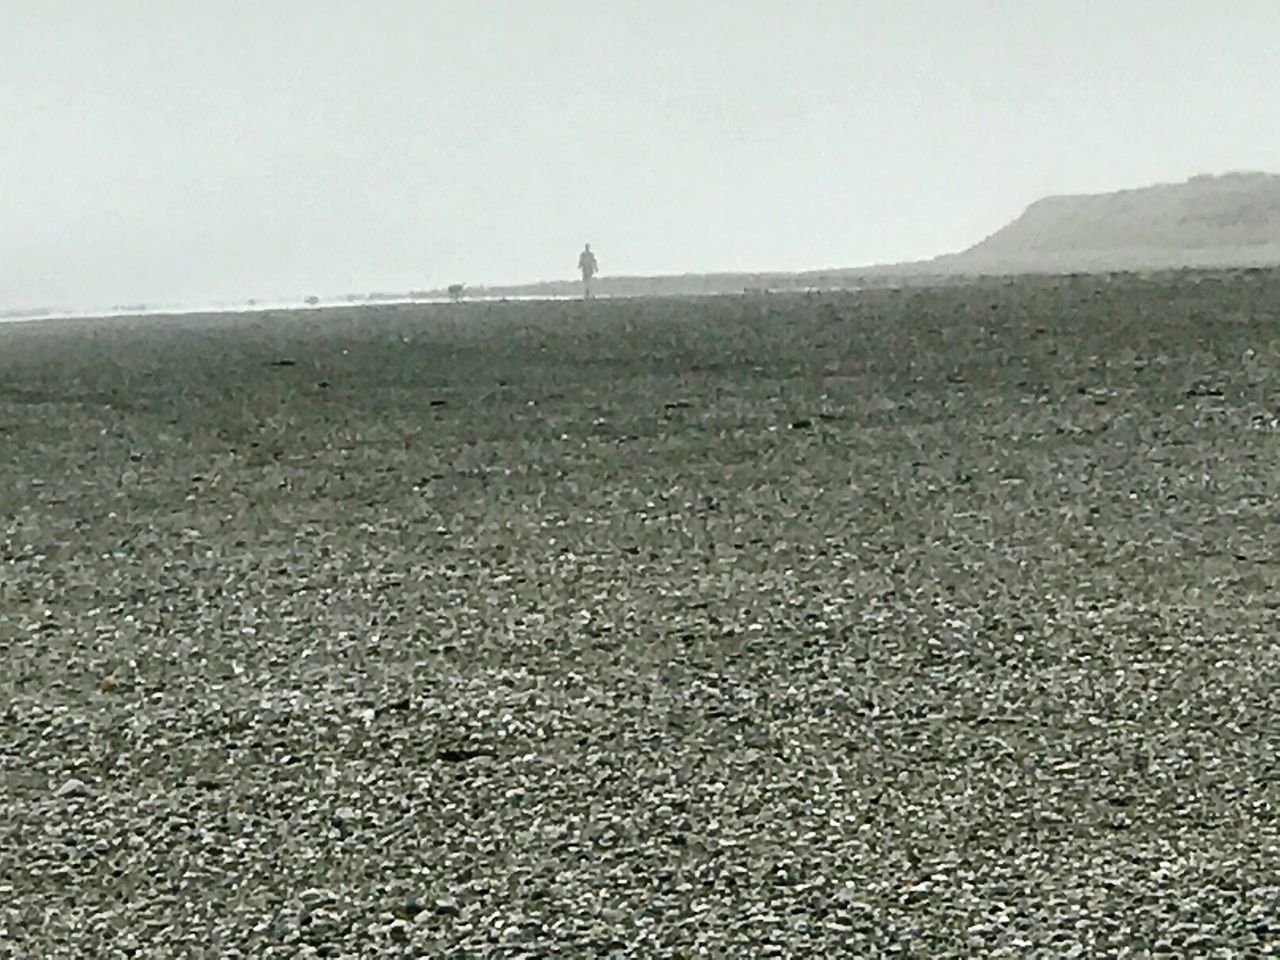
<point x="787" y="285"/>
<point x="1216" y="223"/>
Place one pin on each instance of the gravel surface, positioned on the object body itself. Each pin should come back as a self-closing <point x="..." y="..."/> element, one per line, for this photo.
<point x="936" y="623"/>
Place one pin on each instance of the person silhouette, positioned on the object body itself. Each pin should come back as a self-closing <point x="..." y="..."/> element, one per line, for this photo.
<point x="587" y="264"/>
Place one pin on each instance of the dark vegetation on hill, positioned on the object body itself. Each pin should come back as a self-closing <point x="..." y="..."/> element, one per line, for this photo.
<point x="932" y="623"/>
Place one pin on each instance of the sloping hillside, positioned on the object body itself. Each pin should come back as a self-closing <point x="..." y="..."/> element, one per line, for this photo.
<point x="1226" y="220"/>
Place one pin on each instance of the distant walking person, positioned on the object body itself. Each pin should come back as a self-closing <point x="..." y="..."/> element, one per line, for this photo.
<point x="587" y="264"/>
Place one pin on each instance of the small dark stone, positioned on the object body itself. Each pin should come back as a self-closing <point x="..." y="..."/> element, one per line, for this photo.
<point x="804" y="423"/>
<point x="410" y="909"/>
<point x="402" y="704"/>
<point x="462" y="754"/>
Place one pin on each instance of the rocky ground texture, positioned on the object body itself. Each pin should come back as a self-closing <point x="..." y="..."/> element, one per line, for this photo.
<point x="936" y="623"/>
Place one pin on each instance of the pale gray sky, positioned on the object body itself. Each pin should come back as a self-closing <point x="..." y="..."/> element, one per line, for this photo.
<point x="193" y="151"/>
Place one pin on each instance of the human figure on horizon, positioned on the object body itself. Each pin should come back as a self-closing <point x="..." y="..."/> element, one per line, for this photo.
<point x="587" y="264"/>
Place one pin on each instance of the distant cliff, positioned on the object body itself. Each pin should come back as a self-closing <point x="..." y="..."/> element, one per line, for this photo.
<point x="1229" y="220"/>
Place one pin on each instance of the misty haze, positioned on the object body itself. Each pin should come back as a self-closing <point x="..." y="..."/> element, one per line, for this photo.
<point x="652" y="480"/>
